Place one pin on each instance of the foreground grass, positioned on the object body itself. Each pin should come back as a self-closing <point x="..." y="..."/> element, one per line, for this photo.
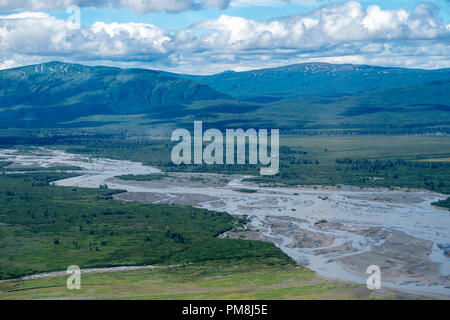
<point x="248" y="279"/>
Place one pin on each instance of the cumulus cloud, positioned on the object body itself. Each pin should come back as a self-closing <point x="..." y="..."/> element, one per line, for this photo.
<point x="335" y="33"/>
<point x="41" y="34"/>
<point x="139" y="6"/>
<point x="145" y="6"/>
<point x="306" y="3"/>
<point x="326" y="27"/>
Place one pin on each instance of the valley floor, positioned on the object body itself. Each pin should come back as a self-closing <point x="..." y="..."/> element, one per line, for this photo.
<point x="335" y="232"/>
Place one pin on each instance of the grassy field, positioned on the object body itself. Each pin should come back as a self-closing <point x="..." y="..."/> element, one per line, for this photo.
<point x="247" y="279"/>
<point x="46" y="228"/>
<point x="371" y="146"/>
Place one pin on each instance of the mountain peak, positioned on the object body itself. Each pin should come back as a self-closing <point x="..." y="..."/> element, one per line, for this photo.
<point x="227" y="71"/>
<point x="317" y="78"/>
<point x="314" y="67"/>
<point x="49" y="68"/>
<point x="59" y="92"/>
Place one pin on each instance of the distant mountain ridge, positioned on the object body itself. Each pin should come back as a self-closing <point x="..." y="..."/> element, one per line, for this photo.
<point x="55" y="91"/>
<point x="301" y="96"/>
<point x="321" y="79"/>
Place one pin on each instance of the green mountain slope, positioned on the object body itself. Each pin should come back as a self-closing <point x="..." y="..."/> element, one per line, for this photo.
<point x="310" y="79"/>
<point x="404" y="109"/>
<point x="50" y="93"/>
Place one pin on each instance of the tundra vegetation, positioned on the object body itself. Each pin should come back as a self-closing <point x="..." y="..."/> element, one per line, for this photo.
<point x="47" y="228"/>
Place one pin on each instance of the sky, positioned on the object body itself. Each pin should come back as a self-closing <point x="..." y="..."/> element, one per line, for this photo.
<point x="212" y="36"/>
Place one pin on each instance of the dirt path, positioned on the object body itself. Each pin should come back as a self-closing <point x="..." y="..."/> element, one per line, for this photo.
<point x="89" y="270"/>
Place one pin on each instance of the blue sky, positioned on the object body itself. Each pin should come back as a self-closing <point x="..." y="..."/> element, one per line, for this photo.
<point x="255" y="12"/>
<point x="209" y="36"/>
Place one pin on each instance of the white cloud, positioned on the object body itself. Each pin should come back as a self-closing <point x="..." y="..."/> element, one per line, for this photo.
<point x="327" y="26"/>
<point x="306" y="3"/>
<point x="41" y="34"/>
<point x="334" y="33"/>
<point x="139" y="6"/>
<point x="145" y="6"/>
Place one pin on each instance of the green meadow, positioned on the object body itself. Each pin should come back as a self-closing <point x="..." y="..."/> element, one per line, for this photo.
<point x="244" y="279"/>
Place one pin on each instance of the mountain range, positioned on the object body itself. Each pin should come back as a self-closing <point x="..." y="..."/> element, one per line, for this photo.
<point x="303" y="96"/>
